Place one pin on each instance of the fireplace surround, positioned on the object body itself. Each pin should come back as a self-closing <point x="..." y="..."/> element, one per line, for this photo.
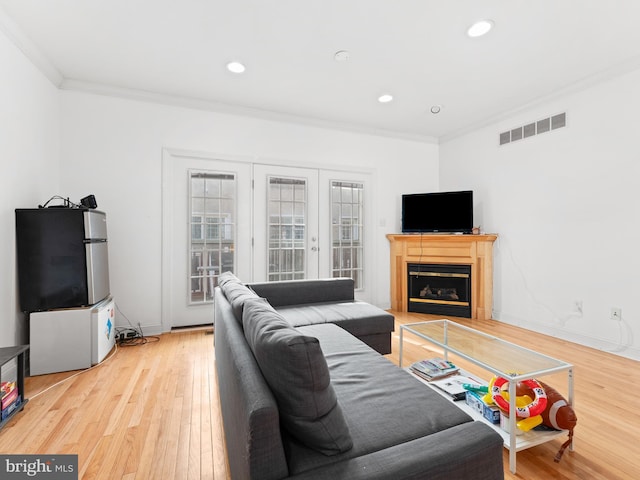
<point x="475" y="251"/>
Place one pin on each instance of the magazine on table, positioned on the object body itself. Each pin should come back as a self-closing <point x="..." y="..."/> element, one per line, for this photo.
<point x="454" y="386"/>
<point x="434" y="368"/>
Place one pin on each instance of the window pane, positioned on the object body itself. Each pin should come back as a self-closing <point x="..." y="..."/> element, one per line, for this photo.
<point x="346" y="232"/>
<point x="197" y="206"/>
<point x="212" y="231"/>
<point x="287" y="228"/>
<point x="228" y="190"/>
<point x="197" y="187"/>
<point x="213" y="187"/>
<point x="286" y="192"/>
<point x="212" y="207"/>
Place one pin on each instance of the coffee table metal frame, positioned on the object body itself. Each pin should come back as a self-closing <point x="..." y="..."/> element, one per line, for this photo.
<point x="501" y="358"/>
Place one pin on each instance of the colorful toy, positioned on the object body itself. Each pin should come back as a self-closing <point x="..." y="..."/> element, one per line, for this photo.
<point x="528" y="410"/>
<point x="479" y="389"/>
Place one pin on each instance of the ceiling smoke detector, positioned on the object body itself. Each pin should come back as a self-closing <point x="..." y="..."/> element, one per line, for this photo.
<point x="436" y="109"/>
<point x="341" y="56"/>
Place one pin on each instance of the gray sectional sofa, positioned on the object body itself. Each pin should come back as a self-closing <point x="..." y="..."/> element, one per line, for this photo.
<point x="305" y="396"/>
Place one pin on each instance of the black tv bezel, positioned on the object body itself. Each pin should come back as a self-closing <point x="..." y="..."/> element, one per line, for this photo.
<point x="436" y="229"/>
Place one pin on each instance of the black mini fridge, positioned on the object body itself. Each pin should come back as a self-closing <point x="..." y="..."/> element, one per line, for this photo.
<point x="62" y="257"/>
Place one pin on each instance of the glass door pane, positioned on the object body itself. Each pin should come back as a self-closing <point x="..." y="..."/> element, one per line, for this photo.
<point x="211" y="228"/>
<point x="347" y="228"/>
<point x="285" y="216"/>
<point x="287" y="227"/>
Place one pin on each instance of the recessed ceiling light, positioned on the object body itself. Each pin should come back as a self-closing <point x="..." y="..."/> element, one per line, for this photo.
<point x="386" y="98"/>
<point x="480" y="28"/>
<point x="236" y="67"/>
<point x="436" y="109"/>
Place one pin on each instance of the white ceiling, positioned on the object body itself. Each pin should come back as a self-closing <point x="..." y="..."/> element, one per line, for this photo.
<point x="416" y="50"/>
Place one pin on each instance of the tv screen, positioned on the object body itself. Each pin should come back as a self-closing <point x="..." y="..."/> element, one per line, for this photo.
<point x="442" y="212"/>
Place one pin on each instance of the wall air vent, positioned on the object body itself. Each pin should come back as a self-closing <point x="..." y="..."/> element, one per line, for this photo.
<point x="536" y="128"/>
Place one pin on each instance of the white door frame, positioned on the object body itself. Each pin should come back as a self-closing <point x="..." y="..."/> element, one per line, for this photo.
<point x="169" y="223"/>
<point x="366" y="293"/>
<point x="169" y="155"/>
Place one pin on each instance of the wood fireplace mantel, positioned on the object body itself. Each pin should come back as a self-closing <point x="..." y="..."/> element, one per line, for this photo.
<point x="474" y="250"/>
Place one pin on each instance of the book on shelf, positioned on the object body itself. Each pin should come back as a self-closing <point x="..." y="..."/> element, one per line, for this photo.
<point x="11" y="408"/>
<point x="433" y="368"/>
<point x="9" y="393"/>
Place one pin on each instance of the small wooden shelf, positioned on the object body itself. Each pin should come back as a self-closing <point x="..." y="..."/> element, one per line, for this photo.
<point x="6" y="355"/>
<point x="474" y="250"/>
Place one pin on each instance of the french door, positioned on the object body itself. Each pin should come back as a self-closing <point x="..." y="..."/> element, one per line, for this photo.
<point x="261" y="222"/>
<point x="206" y="231"/>
<point x="310" y="223"/>
<point x="286" y="241"/>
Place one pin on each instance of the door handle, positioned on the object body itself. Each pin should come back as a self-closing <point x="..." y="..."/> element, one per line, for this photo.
<point x="314" y="249"/>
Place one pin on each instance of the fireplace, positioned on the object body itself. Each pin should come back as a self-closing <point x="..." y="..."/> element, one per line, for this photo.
<point x="439" y="289"/>
<point x="475" y="251"/>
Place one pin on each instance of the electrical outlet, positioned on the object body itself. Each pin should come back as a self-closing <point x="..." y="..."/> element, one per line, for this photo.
<point x="616" y="313"/>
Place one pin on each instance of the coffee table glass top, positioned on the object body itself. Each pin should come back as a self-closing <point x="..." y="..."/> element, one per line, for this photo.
<point x="496" y="355"/>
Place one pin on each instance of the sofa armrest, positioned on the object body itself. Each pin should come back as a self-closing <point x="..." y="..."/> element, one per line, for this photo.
<point x="302" y="292"/>
<point x="471" y="451"/>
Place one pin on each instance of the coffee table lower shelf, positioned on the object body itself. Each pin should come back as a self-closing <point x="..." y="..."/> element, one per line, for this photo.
<point x="523" y="441"/>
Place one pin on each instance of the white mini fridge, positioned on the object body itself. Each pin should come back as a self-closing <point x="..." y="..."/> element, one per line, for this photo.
<point x="71" y="338"/>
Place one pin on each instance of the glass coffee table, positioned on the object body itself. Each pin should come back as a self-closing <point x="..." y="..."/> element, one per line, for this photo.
<point x="502" y="359"/>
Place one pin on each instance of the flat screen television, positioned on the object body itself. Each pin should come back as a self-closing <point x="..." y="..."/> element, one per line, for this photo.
<point x="442" y="212"/>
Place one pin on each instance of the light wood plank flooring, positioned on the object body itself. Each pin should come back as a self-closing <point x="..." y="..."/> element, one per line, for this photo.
<point x="152" y="411"/>
<point x="607" y="436"/>
<point x="149" y="412"/>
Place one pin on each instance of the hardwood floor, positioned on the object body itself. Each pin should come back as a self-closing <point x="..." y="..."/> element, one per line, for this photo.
<point x="152" y="411"/>
<point x="148" y="412"/>
<point x="607" y="436"/>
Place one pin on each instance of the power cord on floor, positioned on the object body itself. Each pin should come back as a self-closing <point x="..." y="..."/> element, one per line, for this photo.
<point x="125" y="337"/>
<point x="111" y="355"/>
<point x="132" y="336"/>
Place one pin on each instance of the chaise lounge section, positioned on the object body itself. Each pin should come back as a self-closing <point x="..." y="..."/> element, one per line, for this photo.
<point x="315" y="402"/>
<point x="315" y="302"/>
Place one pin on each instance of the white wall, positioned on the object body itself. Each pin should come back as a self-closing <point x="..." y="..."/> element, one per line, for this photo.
<point x="564" y="204"/>
<point x="112" y="147"/>
<point x="29" y="166"/>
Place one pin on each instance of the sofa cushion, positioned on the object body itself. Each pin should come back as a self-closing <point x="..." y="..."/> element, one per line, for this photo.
<point x="236" y="292"/>
<point x="295" y="369"/>
<point x="357" y="318"/>
<point x="384" y="405"/>
<point x="294" y="292"/>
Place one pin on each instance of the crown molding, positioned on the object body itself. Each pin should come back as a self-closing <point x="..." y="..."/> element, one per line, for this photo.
<point x="17" y="36"/>
<point x="220" y="107"/>
<point x="29" y="49"/>
<point x="585" y="83"/>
